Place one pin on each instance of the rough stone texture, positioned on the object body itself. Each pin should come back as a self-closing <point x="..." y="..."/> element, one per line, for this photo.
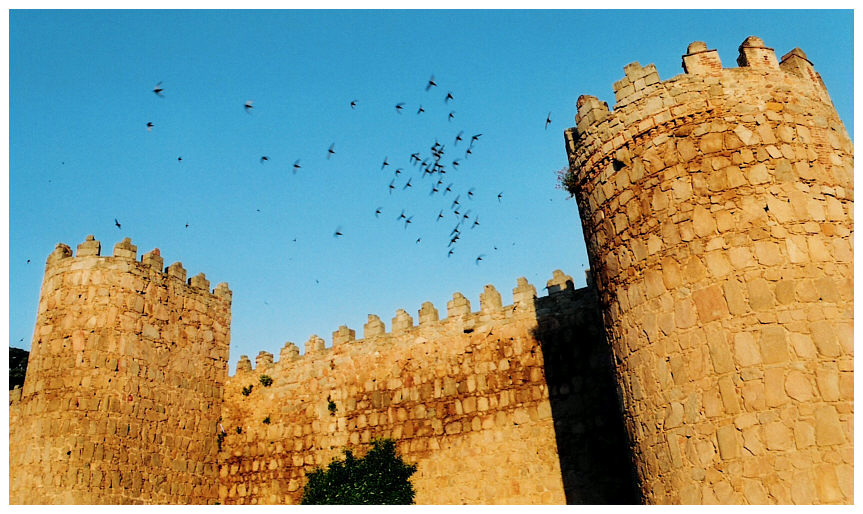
<point x="127" y="398"/>
<point x="741" y="179"/>
<point x="124" y="384"/>
<point x="512" y="404"/>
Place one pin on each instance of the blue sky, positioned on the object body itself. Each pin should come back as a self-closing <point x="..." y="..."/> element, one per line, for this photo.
<point x="81" y="85"/>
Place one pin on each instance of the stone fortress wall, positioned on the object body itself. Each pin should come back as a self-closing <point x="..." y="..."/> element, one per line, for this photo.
<point x="717" y="207"/>
<point x="124" y="383"/>
<point x="466" y="398"/>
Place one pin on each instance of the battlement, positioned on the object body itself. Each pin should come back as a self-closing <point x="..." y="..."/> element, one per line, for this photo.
<point x="460" y="320"/>
<point x="644" y="102"/>
<point x="88" y="255"/>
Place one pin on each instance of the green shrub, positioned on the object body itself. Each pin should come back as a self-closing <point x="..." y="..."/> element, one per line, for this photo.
<point x="266" y="381"/>
<point x="247" y="390"/>
<point x="381" y="477"/>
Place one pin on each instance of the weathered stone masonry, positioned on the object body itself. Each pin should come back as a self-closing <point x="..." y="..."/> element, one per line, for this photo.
<point x="717" y="207"/>
<point x="124" y="384"/>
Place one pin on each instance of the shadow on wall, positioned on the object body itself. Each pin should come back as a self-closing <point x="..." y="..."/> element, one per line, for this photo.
<point x="594" y="450"/>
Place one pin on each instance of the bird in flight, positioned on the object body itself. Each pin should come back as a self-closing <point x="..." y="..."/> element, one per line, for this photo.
<point x="401" y="216"/>
<point x="547" y="120"/>
<point x="415" y="157"/>
<point x="455" y="202"/>
<point x="149" y="126"/>
<point x="187" y="225"/>
<point x="439" y="216"/>
<point x="448" y="97"/>
<point x="378" y="212"/>
<point x="180" y="158"/>
<point x="448" y="189"/>
<point x="479" y="259"/>
<point x="421" y="110"/>
<point x="418" y="240"/>
<point x="338" y="232"/>
<point x="331" y="152"/>
<point x="264" y="158"/>
<point x="455" y="163"/>
<point x="431" y="83"/>
<point x="450" y="252"/>
<point x="399" y="107"/>
<point x="451" y="116"/>
<point x="158" y="89"/>
<point x="297" y="165"/>
<point x="499" y="196"/>
<point x="470" y="193"/>
<point x="476" y="224"/>
<point x="391" y="186"/>
<point x="408" y="222"/>
<point x="458" y="137"/>
<point x="408" y="184"/>
<point x="117" y="223"/>
<point x="398" y="171"/>
<point x="385" y="164"/>
<point x="248" y="106"/>
<point x="473" y="138"/>
<point x="353" y="104"/>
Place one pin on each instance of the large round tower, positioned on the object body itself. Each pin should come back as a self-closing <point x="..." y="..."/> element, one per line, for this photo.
<point x="124" y="383"/>
<point x="717" y="207"/>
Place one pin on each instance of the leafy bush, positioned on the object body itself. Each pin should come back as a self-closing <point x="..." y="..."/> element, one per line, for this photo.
<point x="266" y="381"/>
<point x="247" y="390"/>
<point x="381" y="477"/>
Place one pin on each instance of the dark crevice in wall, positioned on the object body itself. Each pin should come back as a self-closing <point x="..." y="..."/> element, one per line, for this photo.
<point x="595" y="457"/>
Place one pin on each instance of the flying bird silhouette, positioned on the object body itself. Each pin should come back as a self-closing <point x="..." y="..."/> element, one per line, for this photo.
<point x="338" y="232"/>
<point x="248" y="106"/>
<point x="297" y="165"/>
<point x="431" y="83"/>
<point x="547" y="120"/>
<point x="450" y="252"/>
<point x="467" y="152"/>
<point x="448" y="97"/>
<point x="458" y="137"/>
<point x="479" y="259"/>
<point x="385" y="164"/>
<point x="455" y="163"/>
<point x="408" y="184"/>
<point x="451" y="116"/>
<point x="473" y="138"/>
<point x="353" y="104"/>
<point x="398" y="171"/>
<point x="408" y="222"/>
<point x="420" y="110"/>
<point x="117" y="223"/>
<point x="378" y="212"/>
<point x="150" y="126"/>
<point x="331" y="152"/>
<point x="391" y="186"/>
<point x="264" y="158"/>
<point x="399" y="107"/>
<point x="470" y="193"/>
<point x="439" y="216"/>
<point x="455" y="202"/>
<point x="158" y="89"/>
<point x="180" y="158"/>
<point x="499" y="196"/>
<point x="401" y="216"/>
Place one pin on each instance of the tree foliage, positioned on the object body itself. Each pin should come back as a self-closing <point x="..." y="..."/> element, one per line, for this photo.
<point x="381" y="477"/>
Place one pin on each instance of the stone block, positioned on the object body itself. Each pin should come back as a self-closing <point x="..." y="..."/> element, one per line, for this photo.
<point x="344" y="335"/>
<point x="777" y="436"/>
<point x="490" y="300"/>
<point x="428" y="313"/>
<point x="373" y="327"/>
<point x="828" y="428"/>
<point x="728" y="442"/>
<point x="773" y="344"/>
<point x="824" y="336"/>
<point x="798" y="386"/>
<point x="746" y="352"/>
<point x="827" y="484"/>
<point x="710" y="304"/>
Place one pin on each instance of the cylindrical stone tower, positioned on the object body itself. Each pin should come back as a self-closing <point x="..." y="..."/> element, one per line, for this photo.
<point x="717" y="207"/>
<point x="124" y="383"/>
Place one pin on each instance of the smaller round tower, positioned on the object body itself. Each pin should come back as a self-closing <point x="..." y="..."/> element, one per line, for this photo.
<point x="124" y="383"/>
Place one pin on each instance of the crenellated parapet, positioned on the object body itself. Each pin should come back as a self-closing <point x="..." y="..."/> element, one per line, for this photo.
<point x="460" y="319"/>
<point x="717" y="211"/>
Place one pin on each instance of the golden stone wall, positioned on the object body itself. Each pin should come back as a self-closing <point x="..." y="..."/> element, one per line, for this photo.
<point x="466" y="399"/>
<point x="124" y="383"/>
<point x="717" y="207"/>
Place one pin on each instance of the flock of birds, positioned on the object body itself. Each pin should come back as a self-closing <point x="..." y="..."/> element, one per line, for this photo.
<point x="438" y="162"/>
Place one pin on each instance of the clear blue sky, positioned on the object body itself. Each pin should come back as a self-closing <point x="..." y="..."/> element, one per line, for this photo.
<point x="80" y="154"/>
